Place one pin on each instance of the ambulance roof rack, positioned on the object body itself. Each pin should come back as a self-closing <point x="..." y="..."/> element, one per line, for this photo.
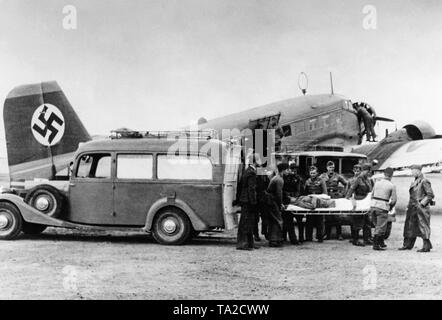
<point x="174" y="134"/>
<point x="293" y="148"/>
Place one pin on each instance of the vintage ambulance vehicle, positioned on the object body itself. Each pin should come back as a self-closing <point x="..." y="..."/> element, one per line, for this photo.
<point x="171" y="189"/>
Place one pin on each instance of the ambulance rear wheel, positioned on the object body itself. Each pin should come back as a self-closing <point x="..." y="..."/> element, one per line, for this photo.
<point x="388" y="231"/>
<point x="11" y="221"/>
<point x="171" y="227"/>
<point x="32" y="228"/>
<point x="47" y="199"/>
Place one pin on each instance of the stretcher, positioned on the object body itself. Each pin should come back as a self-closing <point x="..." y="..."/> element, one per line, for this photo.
<point x="341" y="207"/>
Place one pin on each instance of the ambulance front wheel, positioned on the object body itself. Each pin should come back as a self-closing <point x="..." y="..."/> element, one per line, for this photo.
<point x="47" y="199"/>
<point x="11" y="221"/>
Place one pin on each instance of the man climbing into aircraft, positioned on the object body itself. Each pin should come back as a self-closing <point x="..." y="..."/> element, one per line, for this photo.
<point x="364" y="117"/>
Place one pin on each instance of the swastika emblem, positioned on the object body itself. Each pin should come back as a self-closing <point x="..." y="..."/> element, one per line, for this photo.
<point x="47" y="124"/>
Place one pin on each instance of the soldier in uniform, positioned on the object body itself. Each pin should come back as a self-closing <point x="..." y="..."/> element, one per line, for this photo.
<point x="417" y="220"/>
<point x="292" y="188"/>
<point x="314" y="185"/>
<point x="248" y="206"/>
<point x="365" y="117"/>
<point x="275" y="190"/>
<point x="332" y="180"/>
<point x="383" y="199"/>
<point x="264" y="202"/>
<point x="360" y="188"/>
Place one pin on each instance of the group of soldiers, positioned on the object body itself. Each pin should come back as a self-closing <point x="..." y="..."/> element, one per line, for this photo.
<point x="263" y="197"/>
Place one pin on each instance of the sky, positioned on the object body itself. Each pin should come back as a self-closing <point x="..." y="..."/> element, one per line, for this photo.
<point x="162" y="64"/>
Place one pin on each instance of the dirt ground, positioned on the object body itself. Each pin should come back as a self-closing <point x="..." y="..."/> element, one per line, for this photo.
<point x="64" y="264"/>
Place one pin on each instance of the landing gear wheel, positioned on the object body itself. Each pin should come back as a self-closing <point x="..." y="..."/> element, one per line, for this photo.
<point x="32" y="228"/>
<point x="47" y="199"/>
<point x="388" y="231"/>
<point x="11" y="221"/>
<point x="171" y="227"/>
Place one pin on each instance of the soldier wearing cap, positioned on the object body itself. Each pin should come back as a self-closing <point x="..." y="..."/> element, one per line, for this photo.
<point x="332" y="181"/>
<point x="417" y="220"/>
<point x="360" y="188"/>
<point x="383" y="199"/>
<point x="292" y="188"/>
<point x="314" y="185"/>
<point x="248" y="205"/>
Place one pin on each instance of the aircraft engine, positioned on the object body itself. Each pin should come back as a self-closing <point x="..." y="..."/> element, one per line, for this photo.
<point x="419" y="130"/>
<point x="202" y="120"/>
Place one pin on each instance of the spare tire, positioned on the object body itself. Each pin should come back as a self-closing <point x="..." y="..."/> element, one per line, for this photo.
<point x="47" y="199"/>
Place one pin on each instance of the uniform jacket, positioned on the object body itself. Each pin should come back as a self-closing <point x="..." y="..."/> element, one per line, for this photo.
<point x="421" y="191"/>
<point x="384" y="195"/>
<point x="315" y="186"/>
<point x="292" y="187"/>
<point x="360" y="187"/>
<point x="248" y="186"/>
<point x="275" y="189"/>
<point x="417" y="219"/>
<point x="332" y="182"/>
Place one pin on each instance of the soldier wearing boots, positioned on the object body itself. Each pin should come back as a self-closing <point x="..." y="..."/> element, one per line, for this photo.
<point x="264" y="203"/>
<point x="417" y="220"/>
<point x="383" y="199"/>
<point x="332" y="181"/>
<point x="360" y="188"/>
<point x="248" y="206"/>
<point x="314" y="185"/>
<point x="291" y="188"/>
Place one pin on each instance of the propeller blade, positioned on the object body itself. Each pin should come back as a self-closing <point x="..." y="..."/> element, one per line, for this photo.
<point x="384" y="119"/>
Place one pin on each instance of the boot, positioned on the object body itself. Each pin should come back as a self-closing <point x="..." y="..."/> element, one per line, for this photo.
<point x="355" y="241"/>
<point x="376" y="244"/>
<point x="426" y="247"/>
<point x="408" y="244"/>
<point x="382" y="243"/>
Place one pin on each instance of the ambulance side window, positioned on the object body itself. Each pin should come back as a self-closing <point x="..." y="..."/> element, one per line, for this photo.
<point x="97" y="165"/>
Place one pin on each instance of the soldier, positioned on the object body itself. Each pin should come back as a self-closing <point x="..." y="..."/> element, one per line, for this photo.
<point x="248" y="206"/>
<point x="314" y="185"/>
<point x="361" y="187"/>
<point x="332" y="180"/>
<point x="264" y="202"/>
<point x="417" y="220"/>
<point x="383" y="199"/>
<point x="275" y="220"/>
<point x="371" y="111"/>
<point x="292" y="188"/>
<point x="365" y="117"/>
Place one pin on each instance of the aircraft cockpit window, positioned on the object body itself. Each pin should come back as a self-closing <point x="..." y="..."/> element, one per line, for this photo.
<point x="348" y="105"/>
<point x="287" y="131"/>
<point x="313" y="124"/>
<point x="326" y="120"/>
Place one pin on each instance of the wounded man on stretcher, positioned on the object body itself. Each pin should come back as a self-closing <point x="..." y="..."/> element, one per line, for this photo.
<point x="323" y="201"/>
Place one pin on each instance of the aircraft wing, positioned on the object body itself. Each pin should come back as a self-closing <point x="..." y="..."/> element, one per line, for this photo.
<point x="423" y="152"/>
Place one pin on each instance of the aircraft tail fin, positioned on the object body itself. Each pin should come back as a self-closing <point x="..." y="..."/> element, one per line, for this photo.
<point x="42" y="130"/>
